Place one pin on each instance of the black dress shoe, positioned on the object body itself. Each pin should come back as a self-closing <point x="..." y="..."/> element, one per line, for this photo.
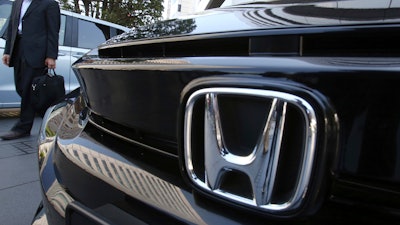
<point x="11" y="135"/>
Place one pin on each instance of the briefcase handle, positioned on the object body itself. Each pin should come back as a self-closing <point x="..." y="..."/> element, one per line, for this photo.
<point x="50" y="72"/>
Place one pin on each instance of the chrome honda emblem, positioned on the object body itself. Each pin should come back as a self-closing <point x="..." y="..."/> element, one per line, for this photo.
<point x="260" y="165"/>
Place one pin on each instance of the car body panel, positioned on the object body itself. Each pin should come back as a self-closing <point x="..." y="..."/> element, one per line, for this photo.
<point x="139" y="130"/>
<point x="268" y="16"/>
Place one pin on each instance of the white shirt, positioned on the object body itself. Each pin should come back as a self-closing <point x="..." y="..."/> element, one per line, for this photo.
<point x="25" y="5"/>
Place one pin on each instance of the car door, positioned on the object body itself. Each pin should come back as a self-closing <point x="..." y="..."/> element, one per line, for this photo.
<point x="8" y="96"/>
<point x="78" y="34"/>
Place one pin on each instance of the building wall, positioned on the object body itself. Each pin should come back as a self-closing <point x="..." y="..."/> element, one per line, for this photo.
<point x="176" y="8"/>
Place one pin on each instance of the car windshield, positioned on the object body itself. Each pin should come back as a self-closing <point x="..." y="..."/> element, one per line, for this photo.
<point x="5" y="9"/>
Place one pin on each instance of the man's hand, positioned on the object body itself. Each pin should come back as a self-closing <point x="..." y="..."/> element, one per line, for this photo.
<point x="50" y="63"/>
<point x="6" y="59"/>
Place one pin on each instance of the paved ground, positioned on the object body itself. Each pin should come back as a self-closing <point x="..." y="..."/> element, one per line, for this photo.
<point x="19" y="179"/>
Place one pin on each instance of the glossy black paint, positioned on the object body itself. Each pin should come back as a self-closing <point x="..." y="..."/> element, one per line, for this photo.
<point x="129" y="115"/>
<point x="271" y="15"/>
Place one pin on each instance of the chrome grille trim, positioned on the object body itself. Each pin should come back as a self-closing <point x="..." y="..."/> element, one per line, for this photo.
<point x="128" y="139"/>
<point x="262" y="163"/>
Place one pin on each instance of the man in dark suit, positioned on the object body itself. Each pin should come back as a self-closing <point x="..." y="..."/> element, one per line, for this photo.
<point x="31" y="46"/>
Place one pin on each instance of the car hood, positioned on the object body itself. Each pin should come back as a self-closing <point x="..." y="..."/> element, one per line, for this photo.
<point x="270" y="15"/>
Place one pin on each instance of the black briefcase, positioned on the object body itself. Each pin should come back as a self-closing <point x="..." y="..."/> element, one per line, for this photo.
<point x="47" y="90"/>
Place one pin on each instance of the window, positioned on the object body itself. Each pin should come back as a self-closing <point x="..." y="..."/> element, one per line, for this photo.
<point x="91" y="34"/>
<point x="61" y="36"/>
<point x="5" y="10"/>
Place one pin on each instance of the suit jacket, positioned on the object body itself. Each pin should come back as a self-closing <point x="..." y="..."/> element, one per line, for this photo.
<point x="40" y="30"/>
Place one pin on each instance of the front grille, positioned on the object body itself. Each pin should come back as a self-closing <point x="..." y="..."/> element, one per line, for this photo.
<point x="279" y="45"/>
<point x="332" y="42"/>
<point x="211" y="47"/>
<point x="364" y="43"/>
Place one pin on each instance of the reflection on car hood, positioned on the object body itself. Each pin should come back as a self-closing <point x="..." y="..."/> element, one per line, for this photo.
<point x="272" y="15"/>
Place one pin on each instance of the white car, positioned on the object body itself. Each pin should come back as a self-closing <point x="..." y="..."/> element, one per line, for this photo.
<point x="78" y="34"/>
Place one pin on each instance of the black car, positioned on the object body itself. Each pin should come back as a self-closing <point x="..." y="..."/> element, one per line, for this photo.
<point x="269" y="112"/>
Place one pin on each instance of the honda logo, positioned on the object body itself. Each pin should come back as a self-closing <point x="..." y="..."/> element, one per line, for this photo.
<point x="211" y="165"/>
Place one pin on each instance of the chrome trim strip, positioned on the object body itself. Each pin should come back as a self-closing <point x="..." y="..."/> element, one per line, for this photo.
<point x="130" y="140"/>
